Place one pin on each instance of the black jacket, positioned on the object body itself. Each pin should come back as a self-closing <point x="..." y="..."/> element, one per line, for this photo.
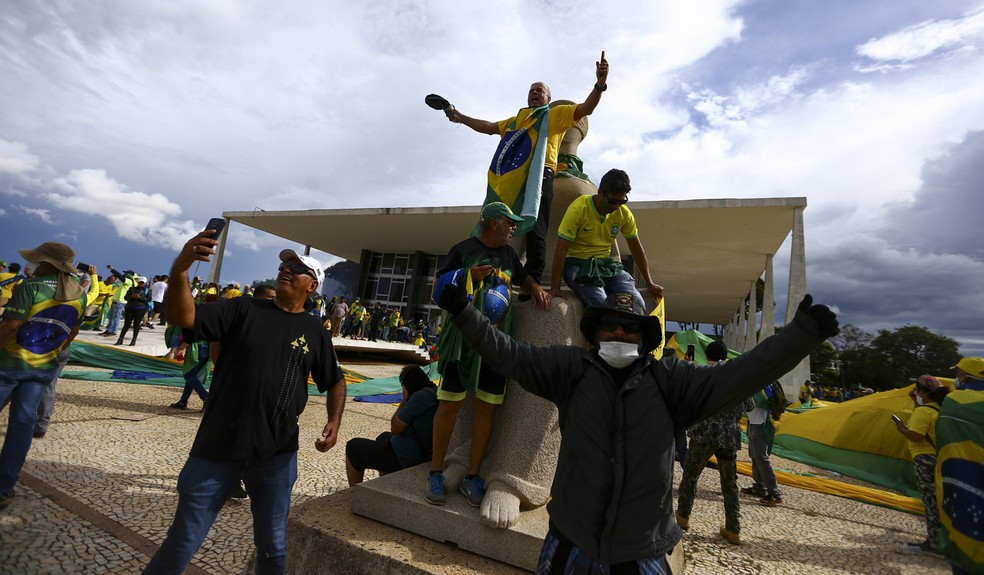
<point x="612" y="492"/>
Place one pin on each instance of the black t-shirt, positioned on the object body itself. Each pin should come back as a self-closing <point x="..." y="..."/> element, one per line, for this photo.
<point x="503" y="257"/>
<point x="259" y="388"/>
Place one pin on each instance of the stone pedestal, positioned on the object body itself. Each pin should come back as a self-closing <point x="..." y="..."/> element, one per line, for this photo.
<point x="398" y="500"/>
<point x="326" y="538"/>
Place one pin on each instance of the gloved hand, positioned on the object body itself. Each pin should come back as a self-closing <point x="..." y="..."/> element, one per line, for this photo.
<point x="453" y="299"/>
<point x="826" y="319"/>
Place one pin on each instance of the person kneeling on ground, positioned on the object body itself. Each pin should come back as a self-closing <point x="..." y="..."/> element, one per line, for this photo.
<point x="408" y="442"/>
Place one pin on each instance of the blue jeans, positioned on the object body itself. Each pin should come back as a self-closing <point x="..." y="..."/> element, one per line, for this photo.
<point x="115" y="315"/>
<point x="47" y="405"/>
<point x="595" y="295"/>
<point x="24" y="390"/>
<point x="204" y="486"/>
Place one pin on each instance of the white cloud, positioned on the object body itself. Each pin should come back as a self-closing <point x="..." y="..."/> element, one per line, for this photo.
<point x="40" y="213"/>
<point x="16" y="159"/>
<point x="925" y="38"/>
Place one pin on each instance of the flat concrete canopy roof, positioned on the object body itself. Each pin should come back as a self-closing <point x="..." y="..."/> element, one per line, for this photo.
<point x="705" y="253"/>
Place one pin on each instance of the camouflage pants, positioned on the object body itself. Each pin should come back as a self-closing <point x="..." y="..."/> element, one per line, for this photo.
<point x="699" y="454"/>
<point x="925" y="467"/>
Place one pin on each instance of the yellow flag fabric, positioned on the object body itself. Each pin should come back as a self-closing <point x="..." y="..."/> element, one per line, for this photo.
<point x="960" y="478"/>
<point x="660" y="312"/>
<point x="856" y="438"/>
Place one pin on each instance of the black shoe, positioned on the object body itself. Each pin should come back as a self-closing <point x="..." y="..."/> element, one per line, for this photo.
<point x="149" y="326"/>
<point x="108" y="334"/>
<point x="38" y="434"/>
<point x="133" y="343"/>
<point x="238" y="492"/>
<point x="119" y="341"/>
<point x="179" y="405"/>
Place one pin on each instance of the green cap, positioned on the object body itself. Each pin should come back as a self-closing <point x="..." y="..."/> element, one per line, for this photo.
<point x="498" y="209"/>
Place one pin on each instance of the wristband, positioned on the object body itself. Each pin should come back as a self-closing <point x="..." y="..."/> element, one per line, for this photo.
<point x="601" y="88"/>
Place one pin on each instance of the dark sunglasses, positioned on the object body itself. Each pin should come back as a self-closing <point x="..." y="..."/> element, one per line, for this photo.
<point x="629" y="326"/>
<point x="615" y="202"/>
<point x="296" y="269"/>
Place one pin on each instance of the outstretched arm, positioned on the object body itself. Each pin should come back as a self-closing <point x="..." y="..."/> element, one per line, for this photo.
<point x="591" y="102"/>
<point x="480" y="126"/>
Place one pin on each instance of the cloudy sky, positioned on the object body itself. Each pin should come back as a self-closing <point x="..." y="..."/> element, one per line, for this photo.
<point x="125" y="126"/>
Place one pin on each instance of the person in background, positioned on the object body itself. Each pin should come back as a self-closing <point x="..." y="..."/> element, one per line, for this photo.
<point x="720" y="436"/>
<point x="760" y="432"/>
<point x="408" y="442"/>
<point x="137" y="302"/>
<point x="920" y="432"/>
<point x="30" y="343"/>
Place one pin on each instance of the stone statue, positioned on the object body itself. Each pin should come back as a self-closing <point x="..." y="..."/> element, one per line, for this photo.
<point x="522" y="456"/>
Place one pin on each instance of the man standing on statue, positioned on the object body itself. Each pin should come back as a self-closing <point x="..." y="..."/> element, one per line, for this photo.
<point x="522" y="170"/>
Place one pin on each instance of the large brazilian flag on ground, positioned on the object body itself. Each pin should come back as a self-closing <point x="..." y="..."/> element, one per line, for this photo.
<point x="516" y="171"/>
<point x="960" y="478"/>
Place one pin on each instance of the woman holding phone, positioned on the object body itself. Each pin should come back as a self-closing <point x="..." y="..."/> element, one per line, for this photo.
<point x="926" y="394"/>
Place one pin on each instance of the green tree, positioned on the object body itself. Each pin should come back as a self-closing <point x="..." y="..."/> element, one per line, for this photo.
<point x="911" y="351"/>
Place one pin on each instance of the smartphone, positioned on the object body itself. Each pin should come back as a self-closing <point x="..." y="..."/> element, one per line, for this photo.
<point x="691" y="351"/>
<point x="84" y="268"/>
<point x="896" y="419"/>
<point x="217" y="224"/>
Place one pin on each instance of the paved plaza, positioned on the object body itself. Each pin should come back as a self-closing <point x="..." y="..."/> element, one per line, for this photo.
<point x="98" y="493"/>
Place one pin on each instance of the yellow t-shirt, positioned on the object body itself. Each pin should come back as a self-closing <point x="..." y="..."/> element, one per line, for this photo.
<point x="233" y="293"/>
<point x="591" y="234"/>
<point x="923" y="422"/>
<point x="7" y="291"/>
<point x="560" y="119"/>
<point x="105" y="291"/>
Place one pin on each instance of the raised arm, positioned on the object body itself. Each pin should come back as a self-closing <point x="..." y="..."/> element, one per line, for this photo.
<point x="601" y="84"/>
<point x="480" y="126"/>
<point x="180" y="304"/>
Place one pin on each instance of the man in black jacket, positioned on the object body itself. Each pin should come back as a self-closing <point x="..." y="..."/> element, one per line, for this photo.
<point x="611" y="499"/>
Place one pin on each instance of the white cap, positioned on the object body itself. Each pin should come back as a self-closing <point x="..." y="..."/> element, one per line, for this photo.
<point x="309" y="261"/>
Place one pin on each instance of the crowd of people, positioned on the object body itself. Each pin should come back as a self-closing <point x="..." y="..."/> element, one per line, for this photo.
<point x="621" y="410"/>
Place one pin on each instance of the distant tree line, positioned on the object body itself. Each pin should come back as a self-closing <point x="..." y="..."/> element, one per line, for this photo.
<point x="886" y="360"/>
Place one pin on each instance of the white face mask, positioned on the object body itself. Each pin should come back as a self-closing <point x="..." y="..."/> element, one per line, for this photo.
<point x="919" y="400"/>
<point x="618" y="354"/>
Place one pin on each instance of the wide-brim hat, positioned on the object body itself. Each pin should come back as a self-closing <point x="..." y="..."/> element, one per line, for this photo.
<point x="307" y="260"/>
<point x="57" y="254"/>
<point x="624" y="304"/>
<point x="974" y="366"/>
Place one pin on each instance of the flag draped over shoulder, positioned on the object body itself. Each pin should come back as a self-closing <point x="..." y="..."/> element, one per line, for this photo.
<point x="516" y="171"/>
<point x="959" y="469"/>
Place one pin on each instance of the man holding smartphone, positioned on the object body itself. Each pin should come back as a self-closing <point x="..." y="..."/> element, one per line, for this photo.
<point x="249" y="429"/>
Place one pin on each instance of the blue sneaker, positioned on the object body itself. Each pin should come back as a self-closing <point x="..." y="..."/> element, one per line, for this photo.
<point x="435" y="489"/>
<point x="474" y="490"/>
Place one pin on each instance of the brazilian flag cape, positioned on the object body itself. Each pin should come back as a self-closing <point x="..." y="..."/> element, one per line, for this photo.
<point x="452" y="347"/>
<point x="960" y="478"/>
<point x="516" y="171"/>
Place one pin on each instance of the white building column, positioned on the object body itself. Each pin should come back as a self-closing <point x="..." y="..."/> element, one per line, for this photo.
<point x="792" y="381"/>
<point x="768" y="302"/>
<point x="752" y="329"/>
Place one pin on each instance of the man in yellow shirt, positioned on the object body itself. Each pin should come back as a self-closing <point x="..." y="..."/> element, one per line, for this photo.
<point x="584" y="245"/>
